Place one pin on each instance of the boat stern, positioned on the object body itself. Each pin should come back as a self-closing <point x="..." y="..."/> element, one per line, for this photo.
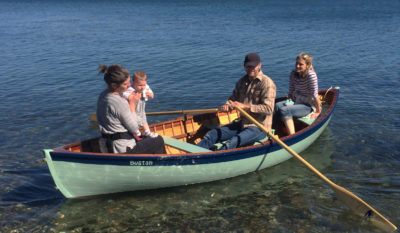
<point x="54" y="174"/>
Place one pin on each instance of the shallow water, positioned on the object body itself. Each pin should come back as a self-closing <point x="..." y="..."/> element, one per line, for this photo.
<point x="193" y="53"/>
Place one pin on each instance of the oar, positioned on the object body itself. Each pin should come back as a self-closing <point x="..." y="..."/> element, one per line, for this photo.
<point x="351" y="200"/>
<point x="193" y="111"/>
<point x="93" y="116"/>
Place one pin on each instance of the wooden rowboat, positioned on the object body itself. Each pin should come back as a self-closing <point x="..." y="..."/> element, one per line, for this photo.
<point x="81" y="169"/>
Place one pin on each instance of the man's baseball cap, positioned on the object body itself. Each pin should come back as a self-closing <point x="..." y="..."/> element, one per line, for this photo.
<point x="252" y="59"/>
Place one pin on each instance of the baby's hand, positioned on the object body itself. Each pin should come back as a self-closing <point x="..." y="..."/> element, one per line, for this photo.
<point x="134" y="96"/>
<point x="149" y="94"/>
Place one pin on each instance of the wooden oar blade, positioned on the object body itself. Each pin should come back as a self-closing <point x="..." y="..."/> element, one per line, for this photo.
<point x="355" y="203"/>
<point x="361" y="208"/>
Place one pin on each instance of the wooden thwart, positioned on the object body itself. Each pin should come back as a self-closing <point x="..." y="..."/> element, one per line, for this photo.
<point x="183" y="145"/>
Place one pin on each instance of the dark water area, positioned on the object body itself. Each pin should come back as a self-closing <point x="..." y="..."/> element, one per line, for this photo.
<point x="193" y="54"/>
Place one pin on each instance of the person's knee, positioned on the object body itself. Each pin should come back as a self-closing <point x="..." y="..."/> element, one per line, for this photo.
<point x="284" y="110"/>
<point x="285" y="113"/>
<point x="232" y="143"/>
<point x="160" y="145"/>
<point x="255" y="134"/>
<point x="208" y="139"/>
<point x="160" y="140"/>
<point x="211" y="135"/>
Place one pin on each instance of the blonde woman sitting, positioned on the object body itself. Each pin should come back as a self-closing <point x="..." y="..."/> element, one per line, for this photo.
<point x="303" y="93"/>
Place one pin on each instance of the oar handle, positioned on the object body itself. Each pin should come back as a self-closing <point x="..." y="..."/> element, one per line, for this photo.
<point x="93" y="116"/>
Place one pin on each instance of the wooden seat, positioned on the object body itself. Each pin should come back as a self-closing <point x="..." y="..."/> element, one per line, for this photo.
<point x="307" y="120"/>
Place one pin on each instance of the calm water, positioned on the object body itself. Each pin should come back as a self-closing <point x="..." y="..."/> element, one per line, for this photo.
<point x="193" y="53"/>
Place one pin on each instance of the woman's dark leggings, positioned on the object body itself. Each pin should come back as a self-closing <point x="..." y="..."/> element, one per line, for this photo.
<point x="148" y="146"/>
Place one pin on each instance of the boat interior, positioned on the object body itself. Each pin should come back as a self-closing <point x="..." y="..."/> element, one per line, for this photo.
<point x="183" y="133"/>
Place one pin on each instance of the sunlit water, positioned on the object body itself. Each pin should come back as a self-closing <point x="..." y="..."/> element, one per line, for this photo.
<point x="193" y="54"/>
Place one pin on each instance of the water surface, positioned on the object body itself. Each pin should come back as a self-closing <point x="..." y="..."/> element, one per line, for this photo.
<point x="193" y="54"/>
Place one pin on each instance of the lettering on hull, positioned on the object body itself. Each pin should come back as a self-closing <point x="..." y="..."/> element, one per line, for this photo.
<point x="141" y="163"/>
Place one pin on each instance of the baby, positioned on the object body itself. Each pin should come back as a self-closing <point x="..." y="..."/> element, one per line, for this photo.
<point x="139" y="85"/>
